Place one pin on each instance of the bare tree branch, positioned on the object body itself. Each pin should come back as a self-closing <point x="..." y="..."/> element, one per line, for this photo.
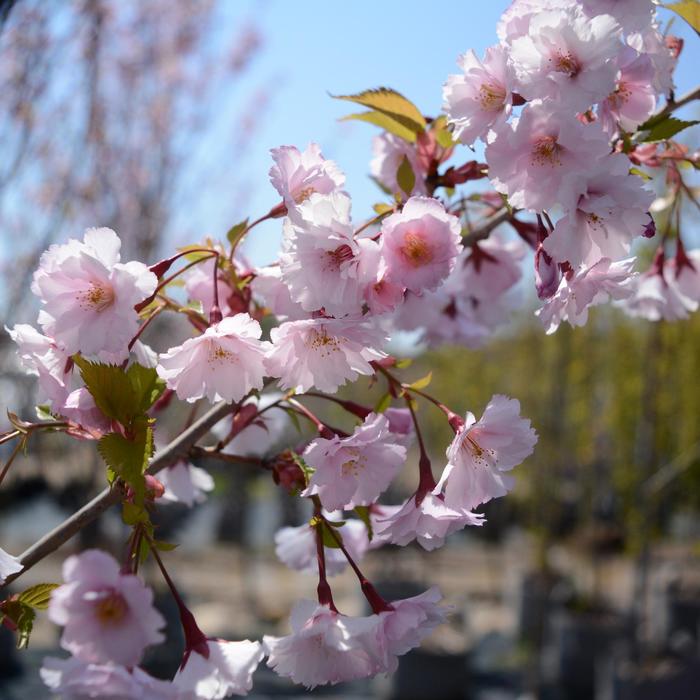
<point x="175" y="450"/>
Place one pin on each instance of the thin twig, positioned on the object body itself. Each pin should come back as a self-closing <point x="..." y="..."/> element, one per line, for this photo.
<point x="177" y="449"/>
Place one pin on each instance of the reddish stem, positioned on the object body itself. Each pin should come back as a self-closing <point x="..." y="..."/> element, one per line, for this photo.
<point x="377" y="603"/>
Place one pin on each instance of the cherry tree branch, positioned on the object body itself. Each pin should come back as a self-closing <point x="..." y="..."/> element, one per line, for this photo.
<point x="175" y="450"/>
<point x="673" y="104"/>
<point x="483" y="230"/>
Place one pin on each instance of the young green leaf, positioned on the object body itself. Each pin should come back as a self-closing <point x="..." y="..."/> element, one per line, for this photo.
<point x="387" y="122"/>
<point x="38" y="596"/>
<point x="666" y="129"/>
<point x="363" y="515"/>
<point x="422" y="382"/>
<point x="405" y="177"/>
<point x="128" y="458"/>
<point x="391" y="103"/>
<point x="235" y="233"/>
<point x="122" y="395"/>
<point x="689" y="10"/>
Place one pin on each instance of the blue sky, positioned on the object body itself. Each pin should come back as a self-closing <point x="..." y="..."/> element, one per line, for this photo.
<point x="319" y="47"/>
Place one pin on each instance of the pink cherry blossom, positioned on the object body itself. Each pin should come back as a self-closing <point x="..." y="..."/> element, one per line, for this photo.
<point x="406" y="625"/>
<point x="227" y="671"/>
<point x="515" y="21"/>
<point x="322" y="352"/>
<point x="658" y="295"/>
<point x="185" y="483"/>
<point x="296" y="547"/>
<point x="88" y="296"/>
<point x="8" y="565"/>
<point x="324" y="647"/>
<point x="380" y="294"/>
<point x="482" y="451"/>
<point x="61" y="387"/>
<point x="388" y="152"/>
<point x="567" y="57"/>
<point x="632" y="15"/>
<point x="633" y="100"/>
<point x="107" y="616"/>
<point x="588" y="286"/>
<point x="73" y="679"/>
<point x="606" y="209"/>
<point x="270" y="291"/>
<point x="651" y="42"/>
<point x="224" y="363"/>
<point x="531" y="155"/>
<point x="472" y="302"/>
<point x="480" y="96"/>
<point x="685" y="271"/>
<point x="354" y="470"/>
<point x="296" y="175"/>
<point x="319" y="262"/>
<point x="420" y="244"/>
<point x="427" y="520"/>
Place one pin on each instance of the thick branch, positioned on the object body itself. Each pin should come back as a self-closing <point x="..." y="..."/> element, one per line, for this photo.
<point x="177" y="449"/>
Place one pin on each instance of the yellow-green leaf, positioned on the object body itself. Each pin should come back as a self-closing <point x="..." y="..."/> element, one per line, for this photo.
<point x="405" y="177"/>
<point x="666" y="129"/>
<point x="128" y="458"/>
<point x="383" y="403"/>
<point x="689" y="10"/>
<point x="640" y="173"/>
<point x="389" y="102"/>
<point x="363" y="515"/>
<point x="235" y="233"/>
<point x="38" y="596"/>
<point x="422" y="382"/>
<point x="387" y="122"/>
<point x="382" y="208"/>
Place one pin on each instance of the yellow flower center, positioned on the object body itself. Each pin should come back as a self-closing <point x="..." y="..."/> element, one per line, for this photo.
<point x="304" y="194"/>
<point x="97" y="297"/>
<point x="566" y="63"/>
<point x="491" y="97"/>
<point x="415" y="249"/>
<point x="111" y="609"/>
<point x="546" y="151"/>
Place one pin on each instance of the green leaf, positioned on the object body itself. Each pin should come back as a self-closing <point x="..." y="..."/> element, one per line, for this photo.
<point x="387" y="122"/>
<point x="405" y="177"/>
<point x="163" y="546"/>
<point x="640" y="173"/>
<point x="38" y="596"/>
<point x="363" y="515"/>
<point x="689" y="10"/>
<point x="383" y="403"/>
<point x="442" y="134"/>
<point x="308" y="471"/>
<point x="235" y="233"/>
<point x="403" y="363"/>
<point x="22" y="617"/>
<point x="382" y="208"/>
<point x="128" y="458"/>
<point x="391" y="103"/>
<point x="294" y="418"/>
<point x="422" y="382"/>
<point x="122" y="395"/>
<point x="196" y="254"/>
<point x="133" y="514"/>
<point x="667" y="128"/>
<point x="327" y="537"/>
<point x="43" y="412"/>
